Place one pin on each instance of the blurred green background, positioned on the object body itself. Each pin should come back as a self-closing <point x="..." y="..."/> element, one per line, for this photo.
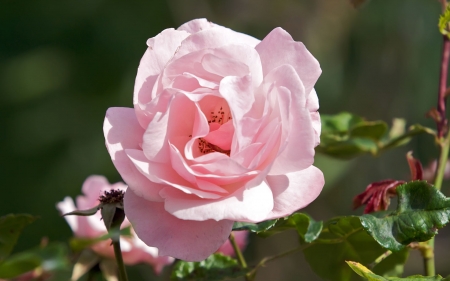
<point x="63" y="63"/>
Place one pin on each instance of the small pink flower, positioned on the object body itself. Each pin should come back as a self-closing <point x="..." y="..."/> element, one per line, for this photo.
<point x="223" y="129"/>
<point x="133" y="249"/>
<point x="241" y="240"/>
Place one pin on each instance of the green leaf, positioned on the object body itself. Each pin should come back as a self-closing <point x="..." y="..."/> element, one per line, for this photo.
<point x="254" y="227"/>
<point x="78" y="244"/>
<point x="345" y="135"/>
<point x="341" y="239"/>
<point x="421" y="211"/>
<point x="370" y="276"/>
<point x="216" y="267"/>
<point x="306" y="227"/>
<point x="10" y="228"/>
<point x="50" y="258"/>
<point x="444" y="21"/>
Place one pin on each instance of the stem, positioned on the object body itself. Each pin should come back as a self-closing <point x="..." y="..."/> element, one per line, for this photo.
<point x="442" y="120"/>
<point x="119" y="259"/>
<point x="442" y="163"/>
<point x="249" y="276"/>
<point x="238" y="252"/>
<point x="380" y="259"/>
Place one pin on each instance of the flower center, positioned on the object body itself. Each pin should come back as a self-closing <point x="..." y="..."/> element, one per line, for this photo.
<point x="206" y="147"/>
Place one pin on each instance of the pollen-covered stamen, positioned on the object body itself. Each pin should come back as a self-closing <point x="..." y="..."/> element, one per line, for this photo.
<point x="206" y="147"/>
<point x="221" y="114"/>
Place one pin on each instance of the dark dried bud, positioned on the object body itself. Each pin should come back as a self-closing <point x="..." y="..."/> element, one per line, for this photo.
<point x="114" y="196"/>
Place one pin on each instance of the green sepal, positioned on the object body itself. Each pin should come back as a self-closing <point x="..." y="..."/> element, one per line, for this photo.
<point x="421" y="211"/>
<point x="364" y="272"/>
<point x="11" y="227"/>
<point x="307" y="228"/>
<point x="215" y="268"/>
<point x="84" y="213"/>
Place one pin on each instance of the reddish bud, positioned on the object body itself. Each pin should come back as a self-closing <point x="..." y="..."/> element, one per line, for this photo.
<point x="377" y="196"/>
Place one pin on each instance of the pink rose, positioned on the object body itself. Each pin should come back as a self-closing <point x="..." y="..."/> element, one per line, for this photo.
<point x="133" y="249"/>
<point x="223" y="129"/>
<point x="241" y="240"/>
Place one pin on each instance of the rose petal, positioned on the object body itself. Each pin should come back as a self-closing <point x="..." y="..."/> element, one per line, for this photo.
<point x="312" y="103"/>
<point x="278" y="48"/>
<point x="215" y="37"/>
<point x="183" y="239"/>
<point x="122" y="131"/>
<point x="196" y="25"/>
<point x="160" y="50"/>
<point x="251" y="202"/>
<point x="294" y="191"/>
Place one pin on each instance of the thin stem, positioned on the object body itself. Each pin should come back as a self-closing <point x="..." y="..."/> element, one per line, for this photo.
<point x="238" y="252"/>
<point x="441" y="108"/>
<point x="120" y="265"/>
<point x="442" y="163"/>
<point x="380" y="259"/>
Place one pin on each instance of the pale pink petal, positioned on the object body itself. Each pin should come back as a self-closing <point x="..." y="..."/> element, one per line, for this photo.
<point x="196" y="25"/>
<point x="222" y="137"/>
<point x="278" y="48"/>
<point x="163" y="174"/>
<point x="183" y="239"/>
<point x="251" y="202"/>
<point x="178" y="120"/>
<point x="215" y="37"/>
<point x="161" y="49"/>
<point x="224" y="66"/>
<point x="122" y="131"/>
<point x="312" y="103"/>
<point x="297" y="150"/>
<point x="294" y="191"/>
<point x="237" y="91"/>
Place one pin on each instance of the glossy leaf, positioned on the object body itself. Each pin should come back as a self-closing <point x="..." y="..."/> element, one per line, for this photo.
<point x="364" y="272"/>
<point x="345" y="135"/>
<point x="216" y="267"/>
<point x="49" y="258"/>
<point x="421" y="211"/>
<point x="341" y="239"/>
<point x="254" y="227"/>
<point x="10" y="228"/>
<point x="306" y="227"/>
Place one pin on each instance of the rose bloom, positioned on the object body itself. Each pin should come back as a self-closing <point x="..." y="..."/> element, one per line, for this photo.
<point x="223" y="129"/>
<point x="133" y="249"/>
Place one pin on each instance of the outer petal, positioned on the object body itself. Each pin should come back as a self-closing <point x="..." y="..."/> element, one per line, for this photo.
<point x="278" y="48"/>
<point x="250" y="203"/>
<point x="161" y="49"/>
<point x="215" y="37"/>
<point x="312" y="103"/>
<point x="196" y="25"/>
<point x="183" y="239"/>
<point x="297" y="152"/>
<point x="122" y="131"/>
<point x="294" y="191"/>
